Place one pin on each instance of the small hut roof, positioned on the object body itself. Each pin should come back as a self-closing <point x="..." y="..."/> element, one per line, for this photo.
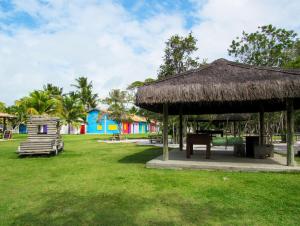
<point x="137" y="118"/>
<point x="6" y="115"/>
<point x="44" y="118"/>
<point x="223" y="87"/>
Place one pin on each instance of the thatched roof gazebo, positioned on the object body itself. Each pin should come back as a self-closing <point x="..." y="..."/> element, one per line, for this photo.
<point x="6" y="116"/>
<point x="225" y="87"/>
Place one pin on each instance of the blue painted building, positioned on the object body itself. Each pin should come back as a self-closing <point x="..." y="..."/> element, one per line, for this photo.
<point x="98" y="122"/>
<point x="22" y="129"/>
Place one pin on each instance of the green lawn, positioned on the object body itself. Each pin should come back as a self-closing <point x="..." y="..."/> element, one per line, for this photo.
<point x="93" y="183"/>
<point x="217" y="141"/>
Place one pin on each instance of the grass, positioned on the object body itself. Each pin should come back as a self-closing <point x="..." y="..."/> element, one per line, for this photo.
<point x="217" y="141"/>
<point x="94" y="183"/>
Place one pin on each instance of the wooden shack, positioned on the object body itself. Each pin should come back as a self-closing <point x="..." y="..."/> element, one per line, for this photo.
<point x="43" y="136"/>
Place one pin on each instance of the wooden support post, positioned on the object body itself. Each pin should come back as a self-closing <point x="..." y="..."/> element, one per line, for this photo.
<point x="165" y="132"/>
<point x="4" y="125"/>
<point x="290" y="132"/>
<point x="262" y="127"/>
<point x="180" y="133"/>
<point x="234" y="128"/>
<point x="239" y="129"/>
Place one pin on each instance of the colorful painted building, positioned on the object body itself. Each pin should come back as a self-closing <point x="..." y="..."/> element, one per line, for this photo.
<point x="98" y="122"/>
<point x="22" y="128"/>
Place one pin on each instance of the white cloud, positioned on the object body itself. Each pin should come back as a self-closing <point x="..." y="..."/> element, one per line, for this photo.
<point x="113" y="48"/>
<point x="224" y="20"/>
<point x="100" y="41"/>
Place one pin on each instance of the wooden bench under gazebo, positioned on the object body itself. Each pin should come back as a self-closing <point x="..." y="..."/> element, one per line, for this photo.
<point x="225" y="87"/>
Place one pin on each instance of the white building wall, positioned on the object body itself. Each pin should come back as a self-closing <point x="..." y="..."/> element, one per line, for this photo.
<point x="74" y="129"/>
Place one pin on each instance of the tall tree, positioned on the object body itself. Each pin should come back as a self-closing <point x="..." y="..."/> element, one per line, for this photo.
<point x="85" y="93"/>
<point x="117" y="100"/>
<point x="269" y="46"/>
<point x="178" y="56"/>
<point x="72" y="110"/>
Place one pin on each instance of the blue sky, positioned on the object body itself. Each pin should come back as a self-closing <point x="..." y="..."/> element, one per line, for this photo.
<point x="142" y="10"/>
<point x="139" y="9"/>
<point x="115" y="42"/>
<point x="19" y="18"/>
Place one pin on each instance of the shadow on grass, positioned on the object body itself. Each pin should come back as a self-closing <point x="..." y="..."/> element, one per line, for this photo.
<point x="71" y="209"/>
<point x="119" y="209"/>
<point x="52" y="154"/>
<point x="143" y="156"/>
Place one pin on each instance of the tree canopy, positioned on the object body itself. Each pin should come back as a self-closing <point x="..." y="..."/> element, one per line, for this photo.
<point x="85" y="93"/>
<point x="295" y="63"/>
<point x="53" y="90"/>
<point x="39" y="102"/>
<point x="72" y="110"/>
<point x="178" y="56"/>
<point x="269" y="46"/>
<point x="2" y="107"/>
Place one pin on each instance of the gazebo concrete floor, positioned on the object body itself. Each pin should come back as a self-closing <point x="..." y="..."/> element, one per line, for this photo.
<point x="221" y="159"/>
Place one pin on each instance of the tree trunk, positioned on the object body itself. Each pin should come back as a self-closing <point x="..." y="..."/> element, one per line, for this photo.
<point x="69" y="128"/>
<point x="180" y="133"/>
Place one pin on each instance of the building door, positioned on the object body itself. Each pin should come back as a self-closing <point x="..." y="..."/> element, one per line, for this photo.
<point x="82" y="129"/>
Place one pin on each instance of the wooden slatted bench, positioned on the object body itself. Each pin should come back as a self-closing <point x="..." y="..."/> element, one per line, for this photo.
<point x="155" y="138"/>
<point x="115" y="136"/>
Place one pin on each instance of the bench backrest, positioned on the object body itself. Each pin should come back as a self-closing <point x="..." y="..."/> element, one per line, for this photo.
<point x="43" y="128"/>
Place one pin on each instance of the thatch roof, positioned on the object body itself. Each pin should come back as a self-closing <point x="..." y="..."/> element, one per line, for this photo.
<point x="223" y="87"/>
<point x="136" y="118"/>
<point x="6" y="115"/>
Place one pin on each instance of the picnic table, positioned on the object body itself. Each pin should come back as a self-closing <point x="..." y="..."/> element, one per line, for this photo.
<point x="194" y="138"/>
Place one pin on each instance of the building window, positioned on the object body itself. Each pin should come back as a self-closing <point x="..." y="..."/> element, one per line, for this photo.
<point x="112" y="127"/>
<point x="42" y="129"/>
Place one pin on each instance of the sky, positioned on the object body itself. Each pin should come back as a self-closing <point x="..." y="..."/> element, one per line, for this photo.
<point x="116" y="42"/>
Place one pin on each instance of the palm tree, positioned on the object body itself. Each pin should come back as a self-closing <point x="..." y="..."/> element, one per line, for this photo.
<point x="53" y="90"/>
<point x="85" y="93"/>
<point x="116" y="101"/>
<point x="72" y="110"/>
<point x="40" y="102"/>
